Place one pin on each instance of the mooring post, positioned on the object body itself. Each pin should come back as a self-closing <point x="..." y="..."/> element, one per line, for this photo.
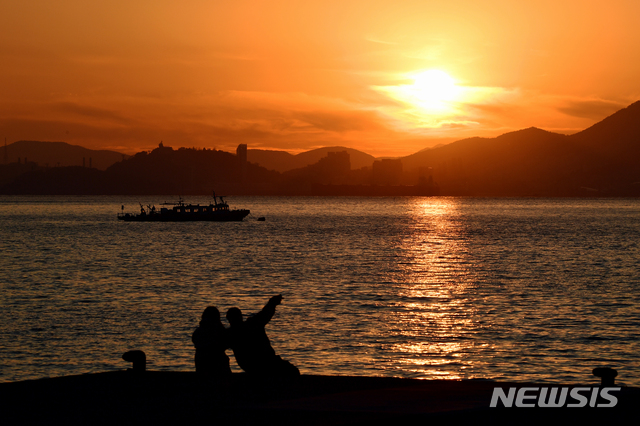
<point x="138" y="358"/>
<point x="607" y="375"/>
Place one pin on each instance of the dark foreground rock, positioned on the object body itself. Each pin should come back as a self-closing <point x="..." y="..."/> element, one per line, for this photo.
<point x="153" y="397"/>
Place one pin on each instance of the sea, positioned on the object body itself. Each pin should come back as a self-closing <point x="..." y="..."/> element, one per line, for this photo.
<point x="521" y="289"/>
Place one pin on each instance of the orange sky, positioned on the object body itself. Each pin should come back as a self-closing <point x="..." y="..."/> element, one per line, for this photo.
<point x="297" y="75"/>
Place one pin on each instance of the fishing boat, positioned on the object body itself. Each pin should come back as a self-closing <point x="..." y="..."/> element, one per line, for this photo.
<point x="218" y="211"/>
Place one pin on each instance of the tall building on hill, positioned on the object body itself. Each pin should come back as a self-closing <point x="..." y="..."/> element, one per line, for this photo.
<point x="387" y="172"/>
<point x="337" y="162"/>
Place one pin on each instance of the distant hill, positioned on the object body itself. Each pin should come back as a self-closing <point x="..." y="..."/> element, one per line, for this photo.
<point x="60" y="154"/>
<point x="523" y="146"/>
<point x="616" y="136"/>
<point x="271" y="159"/>
<point x="601" y="160"/>
<point x="162" y="171"/>
<point x="282" y="161"/>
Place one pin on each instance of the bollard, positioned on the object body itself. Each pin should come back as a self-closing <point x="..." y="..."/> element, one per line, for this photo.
<point x="138" y="358"/>
<point x="607" y="375"/>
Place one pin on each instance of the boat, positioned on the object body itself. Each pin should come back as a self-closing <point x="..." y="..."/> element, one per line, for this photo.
<point x="218" y="211"/>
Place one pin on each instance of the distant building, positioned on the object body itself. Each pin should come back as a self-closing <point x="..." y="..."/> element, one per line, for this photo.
<point x="337" y="162"/>
<point x="162" y="148"/>
<point x="241" y="152"/>
<point x="334" y="168"/>
<point x="425" y="176"/>
<point x="387" y="172"/>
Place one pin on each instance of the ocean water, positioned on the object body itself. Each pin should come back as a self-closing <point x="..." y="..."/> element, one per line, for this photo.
<point x="537" y="290"/>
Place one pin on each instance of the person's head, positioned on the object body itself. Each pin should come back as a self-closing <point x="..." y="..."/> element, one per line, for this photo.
<point x="234" y="316"/>
<point x="210" y="315"/>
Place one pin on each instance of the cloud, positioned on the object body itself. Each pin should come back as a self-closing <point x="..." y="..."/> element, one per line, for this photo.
<point x="222" y="120"/>
<point x="343" y="121"/>
<point x="374" y="39"/>
<point x="374" y="122"/>
<point x="90" y="112"/>
<point x="590" y="108"/>
<point x="518" y="109"/>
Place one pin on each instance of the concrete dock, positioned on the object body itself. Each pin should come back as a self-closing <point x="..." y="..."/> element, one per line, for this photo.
<point x="179" y="398"/>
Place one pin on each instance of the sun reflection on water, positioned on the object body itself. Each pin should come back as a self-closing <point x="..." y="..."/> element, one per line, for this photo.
<point x="433" y="321"/>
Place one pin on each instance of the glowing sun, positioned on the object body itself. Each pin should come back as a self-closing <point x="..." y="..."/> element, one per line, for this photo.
<point x="428" y="98"/>
<point x="432" y="90"/>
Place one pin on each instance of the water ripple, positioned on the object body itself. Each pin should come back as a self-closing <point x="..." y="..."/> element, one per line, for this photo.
<point x="412" y="287"/>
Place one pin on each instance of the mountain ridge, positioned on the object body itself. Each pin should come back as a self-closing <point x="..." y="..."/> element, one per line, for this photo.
<point x="601" y="160"/>
<point x="615" y="127"/>
<point x="616" y="134"/>
<point x="283" y="161"/>
<point x="59" y="153"/>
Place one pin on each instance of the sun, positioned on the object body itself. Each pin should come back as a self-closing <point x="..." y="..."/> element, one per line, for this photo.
<point x="432" y="90"/>
<point x="427" y="98"/>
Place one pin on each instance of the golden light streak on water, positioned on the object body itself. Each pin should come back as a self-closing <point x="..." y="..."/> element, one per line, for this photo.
<point x="433" y="275"/>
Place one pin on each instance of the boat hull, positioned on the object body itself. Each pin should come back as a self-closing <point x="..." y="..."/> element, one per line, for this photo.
<point x="171" y="216"/>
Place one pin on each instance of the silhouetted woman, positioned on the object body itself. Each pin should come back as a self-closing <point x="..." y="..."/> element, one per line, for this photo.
<point x="211" y="340"/>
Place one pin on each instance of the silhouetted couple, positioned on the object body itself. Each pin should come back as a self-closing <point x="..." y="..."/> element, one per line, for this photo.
<point x="247" y="339"/>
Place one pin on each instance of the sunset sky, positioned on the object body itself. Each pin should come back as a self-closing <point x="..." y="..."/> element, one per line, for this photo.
<point x="387" y="77"/>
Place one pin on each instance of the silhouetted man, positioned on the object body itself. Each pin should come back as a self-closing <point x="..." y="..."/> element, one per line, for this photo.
<point x="252" y="347"/>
